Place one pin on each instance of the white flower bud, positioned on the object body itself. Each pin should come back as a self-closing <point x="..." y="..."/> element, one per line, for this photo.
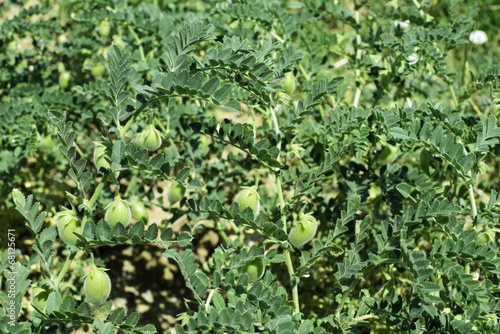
<point x="412" y="59"/>
<point x="402" y="24"/>
<point x="478" y="37"/>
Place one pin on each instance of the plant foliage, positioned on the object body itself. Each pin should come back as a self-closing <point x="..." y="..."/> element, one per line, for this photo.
<point x="389" y="140"/>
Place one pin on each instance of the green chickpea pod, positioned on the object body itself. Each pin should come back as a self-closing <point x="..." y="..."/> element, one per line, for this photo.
<point x="97" y="285"/>
<point x="118" y="211"/>
<point x="249" y="198"/>
<point x="149" y="139"/>
<point x="67" y="222"/>
<point x="303" y="231"/>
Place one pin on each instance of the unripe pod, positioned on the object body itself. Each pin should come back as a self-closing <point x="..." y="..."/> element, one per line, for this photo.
<point x="67" y="222"/>
<point x="249" y="198"/>
<point x="105" y="28"/>
<point x="97" y="70"/>
<point x="485" y="236"/>
<point x="139" y="212"/>
<point x="288" y="83"/>
<point x="149" y="139"/>
<point x="64" y="79"/>
<point x="97" y="286"/>
<point x="255" y="270"/>
<point x="39" y="297"/>
<point x="388" y="154"/>
<point x="118" y="211"/>
<point x="176" y="192"/>
<point x="100" y="153"/>
<point x="303" y="231"/>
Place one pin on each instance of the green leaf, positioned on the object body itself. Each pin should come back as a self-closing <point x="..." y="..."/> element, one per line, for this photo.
<point x="399" y="133"/>
<point x="136" y="232"/>
<point x="166" y="234"/>
<point x="305" y="327"/>
<point x="405" y="189"/>
<point x="119" y="67"/>
<point x="48" y="234"/>
<point x="183" y="174"/>
<point x="221" y="94"/>
<point x="152" y="233"/>
<point x="219" y="302"/>
<point x="117" y="315"/>
<point x="184" y="239"/>
<point x="232" y="106"/>
<point x="211" y="86"/>
<point x="29" y="212"/>
<point x="119" y="233"/>
<point x="132" y="319"/>
<point x="53" y="302"/>
<point x="148" y="329"/>
<point x="103" y="231"/>
<point x="195" y="184"/>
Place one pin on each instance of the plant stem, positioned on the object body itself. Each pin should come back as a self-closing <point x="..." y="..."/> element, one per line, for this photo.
<point x="289" y="264"/>
<point x="138" y="40"/>
<point x="225" y="237"/>
<point x="129" y="187"/>
<point x="345" y="296"/>
<point x="295" y="289"/>
<point x="472" y="202"/>
<point x="98" y="190"/>
<point x="453" y="96"/>
<point x="209" y="299"/>
<point x="165" y="130"/>
<point x="464" y="66"/>
<point x="356" y="97"/>
<point x="304" y="73"/>
<point x="93" y="199"/>
<point x="408" y="101"/>
<point x="275" y="123"/>
<point x="79" y="150"/>
<point x="419" y="7"/>
<point x="65" y="268"/>
<point x="275" y="35"/>
<point x="281" y="200"/>
<point x="124" y="130"/>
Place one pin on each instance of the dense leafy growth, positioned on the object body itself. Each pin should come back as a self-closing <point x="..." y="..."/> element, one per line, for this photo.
<point x="280" y="166"/>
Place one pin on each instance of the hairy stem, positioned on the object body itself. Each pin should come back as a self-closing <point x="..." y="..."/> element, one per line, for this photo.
<point x="289" y="264"/>
<point x="465" y="65"/>
<point x="124" y="130"/>
<point x="359" y="55"/>
<point x="356" y="97"/>
<point x="304" y="73"/>
<point x="64" y="269"/>
<point x="275" y="35"/>
<point x="472" y="202"/>
<point x="453" y="96"/>
<point x="139" y="42"/>
<point x="93" y="199"/>
<point x="98" y="190"/>
<point x="209" y="299"/>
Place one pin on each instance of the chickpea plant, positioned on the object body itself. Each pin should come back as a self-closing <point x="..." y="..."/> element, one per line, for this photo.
<point x="341" y="156"/>
<point x="112" y="158"/>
